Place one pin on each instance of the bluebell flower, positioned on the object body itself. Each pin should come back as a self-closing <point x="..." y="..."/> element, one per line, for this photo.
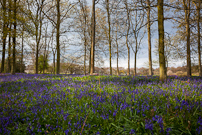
<point x="149" y="125"/>
<point x="132" y="131"/>
<point x="114" y="113"/>
<point x="199" y="121"/>
<point x="66" y="132"/>
<point x="168" y="130"/>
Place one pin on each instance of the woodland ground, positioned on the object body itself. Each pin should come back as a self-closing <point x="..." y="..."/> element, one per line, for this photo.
<point x="75" y="104"/>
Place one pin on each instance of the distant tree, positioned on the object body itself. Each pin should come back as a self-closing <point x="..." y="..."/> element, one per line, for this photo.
<point x="109" y="34"/>
<point x="83" y="18"/>
<point x="149" y="35"/>
<point x="137" y="25"/>
<point x="127" y="32"/>
<point x="92" y="39"/>
<point x="43" y="63"/>
<point x="35" y="14"/>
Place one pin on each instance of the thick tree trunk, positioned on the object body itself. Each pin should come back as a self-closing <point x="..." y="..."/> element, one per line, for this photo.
<point x="109" y="38"/>
<point x="58" y="36"/>
<point x="38" y="38"/>
<point x="9" y="39"/>
<point x="199" y="43"/>
<point x="187" y="16"/>
<point x="92" y="38"/>
<point x="14" y="35"/>
<point x="149" y="37"/>
<point x="162" y="66"/>
<point x="4" y="35"/>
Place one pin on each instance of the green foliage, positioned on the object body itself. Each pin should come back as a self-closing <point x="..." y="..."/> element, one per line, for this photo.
<point x="43" y="63"/>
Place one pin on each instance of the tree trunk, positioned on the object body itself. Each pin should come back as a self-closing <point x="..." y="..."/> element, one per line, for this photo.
<point x="37" y="50"/>
<point x="21" y="61"/>
<point x="187" y="16"/>
<point x="85" y="44"/>
<point x="89" y="62"/>
<point x="92" y="38"/>
<point x="135" y="52"/>
<point x="117" y="51"/>
<point x="4" y="35"/>
<point x="199" y="43"/>
<point x="128" y="19"/>
<point x="117" y="62"/>
<point x="38" y="38"/>
<point x="9" y="50"/>
<point x="44" y="54"/>
<point x="53" y="63"/>
<point x="58" y="36"/>
<point x="9" y="39"/>
<point x="14" y="35"/>
<point x="128" y="71"/>
<point x="162" y="66"/>
<point x="109" y="38"/>
<point x="84" y="33"/>
<point x="149" y="38"/>
<point x="135" y="66"/>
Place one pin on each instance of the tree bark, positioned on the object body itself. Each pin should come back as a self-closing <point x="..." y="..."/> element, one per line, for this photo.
<point x="22" y="47"/>
<point x="135" y="64"/>
<point x="92" y="38"/>
<point x="135" y="57"/>
<point x="58" y="37"/>
<point x="37" y="49"/>
<point x="128" y="19"/>
<point x="89" y="62"/>
<point x="38" y="38"/>
<point x="85" y="50"/>
<point x="162" y="66"/>
<point x="199" y="43"/>
<point x="9" y="50"/>
<point x="53" y="63"/>
<point x="109" y="38"/>
<point x="198" y="8"/>
<point x="128" y="71"/>
<point x="4" y="35"/>
<point x="187" y="16"/>
<point x="84" y="32"/>
<point x="14" y="35"/>
<point x="117" y="51"/>
<point x="9" y="38"/>
<point x="149" y="37"/>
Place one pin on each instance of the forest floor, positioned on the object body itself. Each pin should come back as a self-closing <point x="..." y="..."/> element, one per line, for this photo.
<point x="77" y="104"/>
